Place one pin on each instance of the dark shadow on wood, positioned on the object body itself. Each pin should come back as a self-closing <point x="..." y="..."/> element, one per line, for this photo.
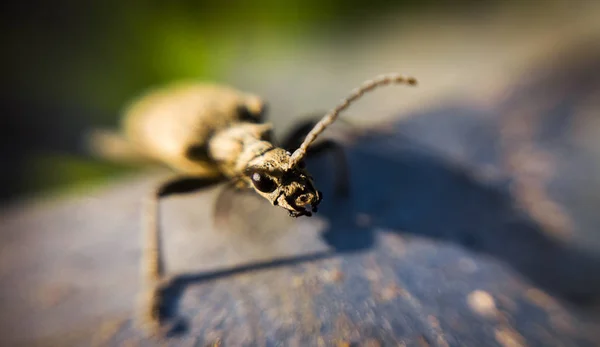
<point x="409" y="190"/>
<point x="174" y="291"/>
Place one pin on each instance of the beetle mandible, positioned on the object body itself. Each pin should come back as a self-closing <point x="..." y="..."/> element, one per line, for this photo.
<point x="210" y="133"/>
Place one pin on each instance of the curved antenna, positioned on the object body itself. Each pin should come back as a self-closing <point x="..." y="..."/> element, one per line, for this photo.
<point x="356" y="94"/>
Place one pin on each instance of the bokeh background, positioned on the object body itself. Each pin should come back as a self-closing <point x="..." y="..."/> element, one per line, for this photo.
<point x="484" y="178"/>
<point x="70" y="65"/>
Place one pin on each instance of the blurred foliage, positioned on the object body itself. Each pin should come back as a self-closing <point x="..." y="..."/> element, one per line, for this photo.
<point x="63" y="173"/>
<point x="100" y="53"/>
<point x="94" y="56"/>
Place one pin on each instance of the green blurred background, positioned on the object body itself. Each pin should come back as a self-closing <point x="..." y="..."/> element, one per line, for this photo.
<point x="71" y="65"/>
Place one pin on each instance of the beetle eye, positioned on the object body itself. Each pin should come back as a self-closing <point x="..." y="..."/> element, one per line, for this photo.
<point x="263" y="183"/>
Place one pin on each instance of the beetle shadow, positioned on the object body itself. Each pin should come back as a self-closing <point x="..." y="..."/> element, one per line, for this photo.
<point x="405" y="186"/>
<point x="173" y="293"/>
<point x="404" y="181"/>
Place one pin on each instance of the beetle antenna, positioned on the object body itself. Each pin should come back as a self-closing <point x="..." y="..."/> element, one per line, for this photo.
<point x="356" y="94"/>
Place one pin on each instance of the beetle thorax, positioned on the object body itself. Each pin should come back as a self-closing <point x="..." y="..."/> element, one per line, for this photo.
<point x="233" y="148"/>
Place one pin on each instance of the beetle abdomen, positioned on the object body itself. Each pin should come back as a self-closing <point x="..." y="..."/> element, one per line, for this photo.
<point x="173" y="124"/>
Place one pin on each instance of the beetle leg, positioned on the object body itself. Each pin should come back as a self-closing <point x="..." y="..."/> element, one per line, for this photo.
<point x="224" y="200"/>
<point x="342" y="174"/>
<point x="295" y="137"/>
<point x="153" y="278"/>
<point x="112" y="146"/>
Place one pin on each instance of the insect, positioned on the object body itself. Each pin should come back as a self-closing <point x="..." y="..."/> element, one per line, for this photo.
<point x="210" y="133"/>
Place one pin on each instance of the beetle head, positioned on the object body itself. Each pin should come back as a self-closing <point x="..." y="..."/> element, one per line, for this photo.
<point x="290" y="187"/>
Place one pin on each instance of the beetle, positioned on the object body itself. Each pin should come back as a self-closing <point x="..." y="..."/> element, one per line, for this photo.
<point x="211" y="133"/>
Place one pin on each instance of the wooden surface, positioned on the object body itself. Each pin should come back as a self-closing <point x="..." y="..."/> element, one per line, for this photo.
<point x="448" y="208"/>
